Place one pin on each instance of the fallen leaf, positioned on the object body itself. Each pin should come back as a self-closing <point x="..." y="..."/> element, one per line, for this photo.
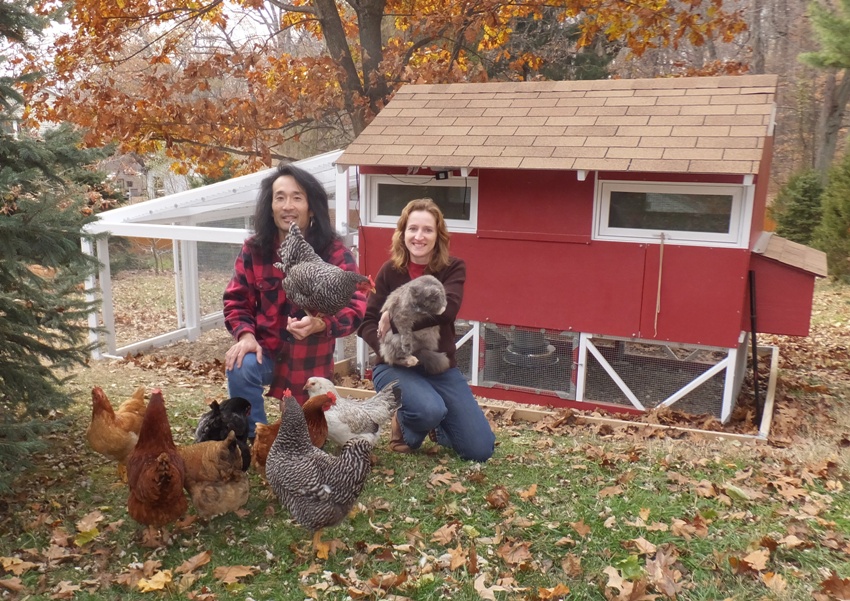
<point x="459" y="557"/>
<point x="581" y="528"/>
<point x="838" y="588"/>
<point x="775" y="582"/>
<point x="498" y="497"/>
<point x="16" y="565"/>
<point x="571" y="564"/>
<point x="558" y="591"/>
<point x="530" y="493"/>
<point x="228" y="574"/>
<point x="445" y="534"/>
<point x="193" y="563"/>
<point x="758" y="559"/>
<point x="515" y="554"/>
<point x="89" y="521"/>
<point x="610" y="491"/>
<point x="444" y="478"/>
<point x="14" y="585"/>
<point x="157" y="582"/>
<point x="643" y="546"/>
<point x="64" y="590"/>
<point x="485" y="592"/>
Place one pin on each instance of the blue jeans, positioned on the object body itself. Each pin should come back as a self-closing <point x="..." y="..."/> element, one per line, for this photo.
<point x="443" y="403"/>
<point x="249" y="382"/>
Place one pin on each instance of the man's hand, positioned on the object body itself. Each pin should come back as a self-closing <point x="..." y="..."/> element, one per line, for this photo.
<point x="246" y="344"/>
<point x="306" y="326"/>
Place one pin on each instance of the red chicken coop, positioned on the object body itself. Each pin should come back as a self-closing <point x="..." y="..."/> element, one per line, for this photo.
<point x="613" y="232"/>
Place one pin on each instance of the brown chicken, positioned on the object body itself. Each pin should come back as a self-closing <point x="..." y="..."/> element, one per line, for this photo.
<point x="317" y="426"/>
<point x="214" y="477"/>
<point x="155" y="471"/>
<point x="263" y="440"/>
<point x="112" y="433"/>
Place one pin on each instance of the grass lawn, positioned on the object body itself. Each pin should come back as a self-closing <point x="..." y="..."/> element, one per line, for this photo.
<point x="560" y="512"/>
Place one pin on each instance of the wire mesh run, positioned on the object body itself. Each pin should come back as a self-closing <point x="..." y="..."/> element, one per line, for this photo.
<point x="531" y="359"/>
<point x="653" y="372"/>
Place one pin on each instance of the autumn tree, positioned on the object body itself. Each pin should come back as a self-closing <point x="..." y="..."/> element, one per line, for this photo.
<point x="46" y="196"/>
<point x="179" y="75"/>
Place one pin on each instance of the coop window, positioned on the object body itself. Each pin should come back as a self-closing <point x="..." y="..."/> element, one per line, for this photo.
<point x="682" y="213"/>
<point x="456" y="196"/>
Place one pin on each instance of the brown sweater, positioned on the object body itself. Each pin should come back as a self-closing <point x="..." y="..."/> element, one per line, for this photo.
<point x="389" y="278"/>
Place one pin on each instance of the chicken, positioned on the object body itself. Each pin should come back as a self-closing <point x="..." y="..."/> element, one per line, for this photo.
<point x="313" y="284"/>
<point x="112" y="433"/>
<point x="348" y="418"/>
<point x="317" y="426"/>
<point x="214" y="478"/>
<point x="318" y="489"/>
<point x="229" y="416"/>
<point x="314" y="414"/>
<point x="263" y="440"/>
<point x="155" y="470"/>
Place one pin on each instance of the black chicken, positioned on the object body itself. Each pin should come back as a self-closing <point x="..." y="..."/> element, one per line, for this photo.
<point x="216" y="423"/>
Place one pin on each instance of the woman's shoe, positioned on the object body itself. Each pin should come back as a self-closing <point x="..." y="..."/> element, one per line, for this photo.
<point x="397" y="443"/>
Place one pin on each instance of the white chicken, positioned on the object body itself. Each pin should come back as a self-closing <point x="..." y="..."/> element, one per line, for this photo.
<point x="349" y="418"/>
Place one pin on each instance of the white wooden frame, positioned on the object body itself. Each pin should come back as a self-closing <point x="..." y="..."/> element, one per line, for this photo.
<point x="740" y="218"/>
<point x="173" y="218"/>
<point x="369" y="204"/>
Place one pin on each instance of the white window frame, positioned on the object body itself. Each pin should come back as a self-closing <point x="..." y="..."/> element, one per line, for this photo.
<point x="371" y="181"/>
<point x="740" y="216"/>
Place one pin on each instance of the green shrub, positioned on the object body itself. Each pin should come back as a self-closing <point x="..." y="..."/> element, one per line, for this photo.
<point x="797" y="208"/>
<point x="833" y="234"/>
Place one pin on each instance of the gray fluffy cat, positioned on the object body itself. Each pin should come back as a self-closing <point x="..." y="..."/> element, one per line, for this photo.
<point x="407" y="304"/>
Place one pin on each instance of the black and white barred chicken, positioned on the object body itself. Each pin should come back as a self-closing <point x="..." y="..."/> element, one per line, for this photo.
<point x="312" y="284"/>
<point x="318" y="489"/>
<point x="349" y="418"/>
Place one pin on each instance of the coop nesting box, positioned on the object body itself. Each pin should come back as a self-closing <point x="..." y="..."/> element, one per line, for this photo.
<point x="613" y="232"/>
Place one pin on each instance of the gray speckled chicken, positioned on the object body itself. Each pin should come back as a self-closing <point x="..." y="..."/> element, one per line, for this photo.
<point x="311" y="283"/>
<point x="348" y="418"/>
<point x="318" y="489"/>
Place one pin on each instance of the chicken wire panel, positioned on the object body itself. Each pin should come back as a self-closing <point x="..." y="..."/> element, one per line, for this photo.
<point x="215" y="266"/>
<point x="529" y="359"/>
<point x="148" y="299"/>
<point x="653" y="373"/>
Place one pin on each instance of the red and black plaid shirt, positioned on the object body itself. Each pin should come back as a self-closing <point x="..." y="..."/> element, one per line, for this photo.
<point x="255" y="301"/>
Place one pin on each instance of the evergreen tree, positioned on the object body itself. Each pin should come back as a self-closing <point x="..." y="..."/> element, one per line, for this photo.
<point x="797" y="208"/>
<point x="833" y="234"/>
<point x="43" y="312"/>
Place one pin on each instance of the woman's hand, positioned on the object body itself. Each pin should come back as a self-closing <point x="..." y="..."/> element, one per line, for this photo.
<point x="306" y="326"/>
<point x="383" y="325"/>
<point x="246" y="344"/>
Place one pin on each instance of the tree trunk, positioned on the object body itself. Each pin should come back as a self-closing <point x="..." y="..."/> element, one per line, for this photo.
<point x="337" y="45"/>
<point x="370" y="13"/>
<point x="758" y="37"/>
<point x="835" y="98"/>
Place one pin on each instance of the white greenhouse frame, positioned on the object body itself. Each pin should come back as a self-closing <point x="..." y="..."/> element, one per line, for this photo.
<point x="175" y="217"/>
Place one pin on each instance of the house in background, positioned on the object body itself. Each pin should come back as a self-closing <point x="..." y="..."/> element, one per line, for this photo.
<point x="613" y="232"/>
<point x="140" y="180"/>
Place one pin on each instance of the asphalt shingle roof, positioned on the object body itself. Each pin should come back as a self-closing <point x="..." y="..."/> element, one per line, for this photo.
<point x="678" y="125"/>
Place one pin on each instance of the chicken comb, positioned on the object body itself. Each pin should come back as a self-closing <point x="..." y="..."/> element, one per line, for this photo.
<point x="287" y="392"/>
<point x="330" y="394"/>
